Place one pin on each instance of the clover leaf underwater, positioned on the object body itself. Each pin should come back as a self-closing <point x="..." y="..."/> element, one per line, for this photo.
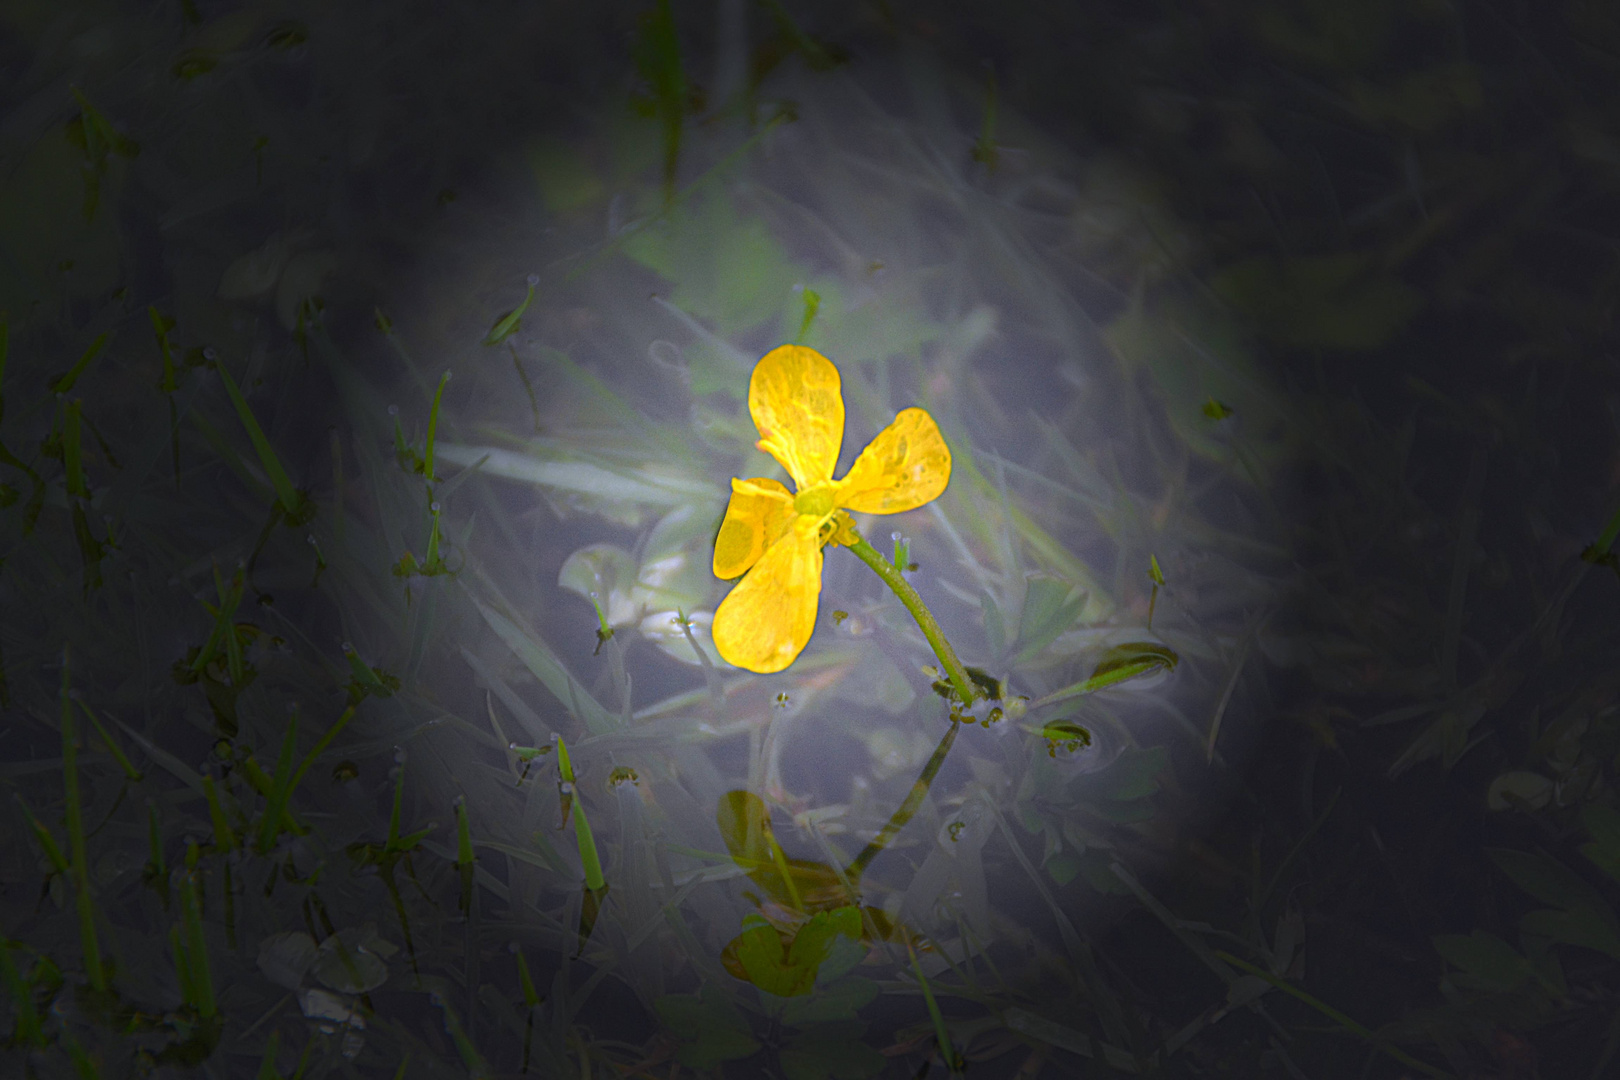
<point x="775" y="536"/>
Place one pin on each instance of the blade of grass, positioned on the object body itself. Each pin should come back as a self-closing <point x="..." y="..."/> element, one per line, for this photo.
<point x="196" y="949"/>
<point x="280" y="786"/>
<point x="130" y="771"/>
<point x="320" y="747"/>
<point x="47" y="842"/>
<point x="64" y="384"/>
<point x="588" y="856"/>
<point x="36" y="499"/>
<point x="464" y="853"/>
<point x="1231" y="684"/>
<point x="531" y="1001"/>
<point x="79" y="863"/>
<point x="73" y="450"/>
<point x="1193" y="942"/>
<point x="1105" y="1000"/>
<point x="291" y="500"/>
<point x="83" y="1064"/>
<point x="26" y="1028"/>
<point x="942" y="1035"/>
<point x="1293" y="852"/>
<point x="169" y="383"/>
<point x="508" y="324"/>
<point x="1114" y="669"/>
<point x="433" y="427"/>
<point x="173" y="765"/>
<point x="267" y="1067"/>
<point x="392" y="842"/>
<point x="224" y="835"/>
<point x="544" y="665"/>
<point x="1336" y="1016"/>
<point x="223" y="630"/>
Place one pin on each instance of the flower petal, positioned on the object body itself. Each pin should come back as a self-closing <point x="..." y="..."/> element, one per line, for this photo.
<point x="760" y="511"/>
<point x="765" y="622"/>
<point x="907" y="465"/>
<point x="797" y="402"/>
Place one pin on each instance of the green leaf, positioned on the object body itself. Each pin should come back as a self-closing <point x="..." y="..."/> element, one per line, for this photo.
<point x="1051" y="605"/>
<point x="709" y="1027"/>
<point x="1485" y="961"/>
<point x="831" y="1052"/>
<point x="1132" y="775"/>
<point x="1583" y="917"/>
<point x="813" y="944"/>
<point x="745" y="825"/>
<point x="1603" y="823"/>
<point x="766" y="959"/>
<point x="725" y="268"/>
<point x="1119" y="664"/>
<point x="607" y="573"/>
<point x="507" y="324"/>
<point x="1547" y="880"/>
<point x="789" y="969"/>
<point x="1133" y="659"/>
<point x="1582" y="926"/>
<point x="838" y="1002"/>
<point x="1519" y="788"/>
<point x="995" y="627"/>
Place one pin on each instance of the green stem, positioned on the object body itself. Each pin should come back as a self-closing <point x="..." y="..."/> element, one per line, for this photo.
<point x="907" y="809"/>
<point x="919" y="611"/>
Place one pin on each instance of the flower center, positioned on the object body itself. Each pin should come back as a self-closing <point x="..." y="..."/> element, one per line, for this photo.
<point x="816" y="502"/>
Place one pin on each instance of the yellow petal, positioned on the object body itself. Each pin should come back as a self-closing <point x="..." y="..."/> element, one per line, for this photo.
<point x="797" y="402"/>
<point x="760" y="511"/>
<point x="907" y="465"/>
<point x="765" y="622"/>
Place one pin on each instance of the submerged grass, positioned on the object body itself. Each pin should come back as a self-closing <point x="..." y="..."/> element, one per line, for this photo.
<point x="78" y="862"/>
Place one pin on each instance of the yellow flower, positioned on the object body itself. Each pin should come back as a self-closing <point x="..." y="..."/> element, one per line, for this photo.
<point x="775" y="536"/>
